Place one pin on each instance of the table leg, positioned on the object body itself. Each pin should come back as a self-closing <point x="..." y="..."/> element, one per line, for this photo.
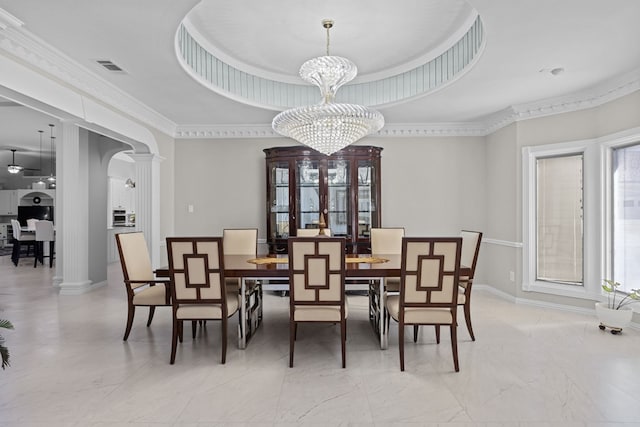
<point x="242" y="335"/>
<point x="384" y="336"/>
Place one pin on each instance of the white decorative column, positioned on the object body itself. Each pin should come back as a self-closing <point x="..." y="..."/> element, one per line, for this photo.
<point x="148" y="201"/>
<point x="72" y="200"/>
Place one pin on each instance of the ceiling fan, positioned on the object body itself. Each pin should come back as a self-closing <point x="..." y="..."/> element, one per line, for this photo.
<point x="14" y="168"/>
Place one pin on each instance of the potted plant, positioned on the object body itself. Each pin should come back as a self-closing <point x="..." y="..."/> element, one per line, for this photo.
<point x="616" y="313"/>
<point x="4" y="351"/>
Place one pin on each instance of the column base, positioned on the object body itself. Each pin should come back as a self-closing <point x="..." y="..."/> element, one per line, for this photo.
<point x="75" y="288"/>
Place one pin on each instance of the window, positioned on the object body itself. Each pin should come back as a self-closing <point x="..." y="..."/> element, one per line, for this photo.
<point x="562" y="246"/>
<point x="559" y="225"/>
<point x="625" y="178"/>
<point x="581" y="215"/>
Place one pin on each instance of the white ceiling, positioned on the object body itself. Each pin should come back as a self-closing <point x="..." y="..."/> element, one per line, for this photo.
<point x="595" y="41"/>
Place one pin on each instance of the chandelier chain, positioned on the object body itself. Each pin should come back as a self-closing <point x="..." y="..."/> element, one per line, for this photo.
<point x="327" y="23"/>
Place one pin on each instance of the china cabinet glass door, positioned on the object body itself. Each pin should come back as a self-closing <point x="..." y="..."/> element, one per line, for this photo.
<point x="279" y="200"/>
<point x="367" y="192"/>
<point x="338" y="204"/>
<point x="308" y="198"/>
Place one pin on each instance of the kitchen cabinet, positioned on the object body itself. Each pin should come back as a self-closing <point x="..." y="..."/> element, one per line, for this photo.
<point x="8" y="202"/>
<point x="303" y="184"/>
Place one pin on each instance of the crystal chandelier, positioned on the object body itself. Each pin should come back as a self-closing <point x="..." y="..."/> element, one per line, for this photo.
<point x="328" y="127"/>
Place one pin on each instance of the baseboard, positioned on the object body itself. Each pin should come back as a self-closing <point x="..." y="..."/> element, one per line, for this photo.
<point x="541" y="304"/>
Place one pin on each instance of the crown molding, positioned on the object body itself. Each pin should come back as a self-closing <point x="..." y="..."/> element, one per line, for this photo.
<point x="405" y="130"/>
<point x="409" y="130"/>
<point x="25" y="46"/>
<point x="594" y="96"/>
<point x="225" y="131"/>
<point x="8" y="20"/>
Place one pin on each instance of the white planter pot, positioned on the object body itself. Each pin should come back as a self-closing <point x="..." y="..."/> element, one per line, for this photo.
<point x="613" y="319"/>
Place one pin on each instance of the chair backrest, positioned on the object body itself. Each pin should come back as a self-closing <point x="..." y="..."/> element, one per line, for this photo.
<point x="316" y="270"/>
<point x="386" y="240"/>
<point x="134" y="258"/>
<point x="31" y="224"/>
<point x="17" y="231"/>
<point x="311" y="232"/>
<point x="240" y="241"/>
<point x="429" y="271"/>
<point x="470" y="249"/>
<point x="196" y="267"/>
<point x="44" y="231"/>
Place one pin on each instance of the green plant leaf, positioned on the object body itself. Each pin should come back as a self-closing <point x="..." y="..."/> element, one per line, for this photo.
<point x="4" y="353"/>
<point x="5" y="324"/>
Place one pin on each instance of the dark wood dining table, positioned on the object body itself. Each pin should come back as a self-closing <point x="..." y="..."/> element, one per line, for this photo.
<point x="357" y="270"/>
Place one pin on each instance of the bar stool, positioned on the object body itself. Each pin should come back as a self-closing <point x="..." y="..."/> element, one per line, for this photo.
<point x="20" y="239"/>
<point x="44" y="233"/>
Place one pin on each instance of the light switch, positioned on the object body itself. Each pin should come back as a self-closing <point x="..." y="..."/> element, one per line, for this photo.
<point x="190" y="208"/>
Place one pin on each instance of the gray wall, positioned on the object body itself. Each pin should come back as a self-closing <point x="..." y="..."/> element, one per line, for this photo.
<point x="504" y="183"/>
<point x="98" y="151"/>
<point x="436" y="190"/>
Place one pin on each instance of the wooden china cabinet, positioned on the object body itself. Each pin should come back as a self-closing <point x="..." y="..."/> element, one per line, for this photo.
<point x="302" y="184"/>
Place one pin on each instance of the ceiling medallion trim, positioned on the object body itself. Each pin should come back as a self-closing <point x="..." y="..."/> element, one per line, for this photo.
<point x="251" y="89"/>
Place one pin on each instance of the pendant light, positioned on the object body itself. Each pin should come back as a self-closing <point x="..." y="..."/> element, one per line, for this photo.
<point x="40" y="181"/>
<point x="52" y="177"/>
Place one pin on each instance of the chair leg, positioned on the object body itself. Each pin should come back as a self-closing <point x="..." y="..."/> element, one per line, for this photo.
<point x="295" y="331"/>
<point x="437" y="334"/>
<point x="415" y="332"/>
<point x="152" y="310"/>
<point x="292" y="339"/>
<point x="180" y="330"/>
<point x="454" y="347"/>
<point x="467" y="318"/>
<point x="401" y="345"/>
<point x="37" y="254"/>
<point x="15" y="253"/>
<point x="174" y="340"/>
<point x="131" y="312"/>
<point x="343" y="338"/>
<point x="194" y="325"/>
<point x="224" y="341"/>
<point x="52" y="247"/>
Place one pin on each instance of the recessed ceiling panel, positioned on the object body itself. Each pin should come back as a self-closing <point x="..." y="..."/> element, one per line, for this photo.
<point x="398" y="65"/>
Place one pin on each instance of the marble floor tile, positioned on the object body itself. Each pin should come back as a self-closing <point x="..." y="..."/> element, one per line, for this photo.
<point x="529" y="367"/>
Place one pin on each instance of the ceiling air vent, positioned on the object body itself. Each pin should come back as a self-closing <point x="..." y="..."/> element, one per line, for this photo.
<point x="109" y="65"/>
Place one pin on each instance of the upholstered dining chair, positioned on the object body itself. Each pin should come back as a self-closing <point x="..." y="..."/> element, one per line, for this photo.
<point x="469" y="258"/>
<point x="311" y="232"/>
<point x="428" y="288"/>
<point x="244" y="241"/>
<point x="21" y="239"/>
<point x="44" y="233"/>
<point x="388" y="240"/>
<point x="239" y="241"/>
<point x="196" y="267"/>
<point x="143" y="288"/>
<point x="316" y="283"/>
